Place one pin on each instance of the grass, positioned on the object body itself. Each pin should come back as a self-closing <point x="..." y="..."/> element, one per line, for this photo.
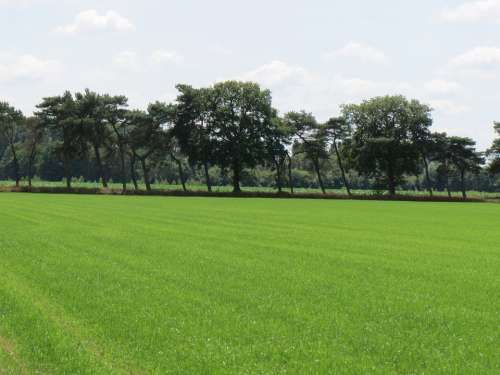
<point x="136" y="285"/>
<point x="200" y="187"/>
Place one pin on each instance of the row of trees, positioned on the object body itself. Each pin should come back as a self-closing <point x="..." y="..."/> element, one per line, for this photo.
<point x="233" y="126"/>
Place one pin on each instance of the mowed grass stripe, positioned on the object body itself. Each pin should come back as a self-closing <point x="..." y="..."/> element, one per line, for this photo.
<point x="228" y="285"/>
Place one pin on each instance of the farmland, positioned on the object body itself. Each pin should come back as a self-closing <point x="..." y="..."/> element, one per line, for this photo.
<point x="110" y="284"/>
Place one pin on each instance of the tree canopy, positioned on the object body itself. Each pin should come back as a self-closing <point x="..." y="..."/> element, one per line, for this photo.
<point x="494" y="152"/>
<point x="229" y="132"/>
<point x="387" y="133"/>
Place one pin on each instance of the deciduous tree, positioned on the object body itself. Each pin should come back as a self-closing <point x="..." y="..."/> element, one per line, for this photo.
<point x="11" y="122"/>
<point x="242" y="120"/>
<point x="313" y="141"/>
<point x="194" y="128"/>
<point x="148" y="137"/>
<point x="33" y="135"/>
<point x="382" y="144"/>
<point x="278" y="140"/>
<point x="59" y="116"/>
<point x="494" y="152"/>
<point x="464" y="157"/>
<point x="339" y="132"/>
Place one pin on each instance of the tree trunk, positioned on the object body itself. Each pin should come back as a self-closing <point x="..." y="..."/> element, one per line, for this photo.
<point x="290" y="175"/>
<point x="392" y="187"/>
<point x="100" y="167"/>
<point x="447" y="181"/>
<point x="124" y="173"/>
<point x="29" y="174"/>
<point x="145" y="173"/>
<point x="427" y="176"/>
<point x="121" y="148"/>
<point x="181" y="172"/>
<point x="67" y="172"/>
<point x="318" y="173"/>
<point x="417" y="182"/>
<point x="342" y="170"/>
<point x="132" y="173"/>
<point x="391" y="180"/>
<point x="31" y="161"/>
<point x="16" y="164"/>
<point x="278" y="175"/>
<point x="207" y="177"/>
<point x="236" y="178"/>
<point x="462" y="180"/>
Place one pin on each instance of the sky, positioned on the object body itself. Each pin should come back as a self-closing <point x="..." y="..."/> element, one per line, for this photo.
<point x="313" y="55"/>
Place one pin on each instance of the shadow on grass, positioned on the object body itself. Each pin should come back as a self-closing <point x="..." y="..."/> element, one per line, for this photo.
<point x="245" y="194"/>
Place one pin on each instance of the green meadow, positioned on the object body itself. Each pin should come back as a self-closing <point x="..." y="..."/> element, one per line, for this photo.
<point x="155" y="285"/>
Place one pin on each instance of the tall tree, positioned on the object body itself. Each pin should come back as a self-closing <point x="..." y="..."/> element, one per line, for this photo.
<point x="177" y="156"/>
<point x="11" y="122"/>
<point x="148" y="137"/>
<point x="278" y="139"/>
<point x="59" y="115"/>
<point x="242" y="120"/>
<point x="382" y="144"/>
<point x="289" y="159"/>
<point x="463" y="156"/>
<point x="114" y="112"/>
<point x="494" y="152"/>
<point x="95" y="111"/>
<point x="420" y="123"/>
<point x="440" y="153"/>
<point x="193" y="127"/>
<point x="313" y="142"/>
<point x="33" y="136"/>
<point x="338" y="132"/>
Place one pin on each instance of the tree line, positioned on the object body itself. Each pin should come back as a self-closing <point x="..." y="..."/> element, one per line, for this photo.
<point x="233" y="127"/>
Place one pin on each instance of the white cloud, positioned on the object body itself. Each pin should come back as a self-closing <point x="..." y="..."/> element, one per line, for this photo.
<point x="277" y="72"/>
<point x="473" y="11"/>
<point x="362" y="88"/>
<point x="295" y="87"/>
<point x="441" y="86"/>
<point x="92" y="21"/>
<point x="361" y="52"/>
<point x="448" y="107"/>
<point x="477" y="57"/>
<point x="162" y="56"/>
<point x="26" y="67"/>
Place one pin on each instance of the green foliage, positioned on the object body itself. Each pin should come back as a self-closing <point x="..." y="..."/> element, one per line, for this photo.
<point x="387" y="135"/>
<point x="339" y="132"/>
<point x="312" y="141"/>
<point x="194" y="285"/>
<point x="148" y="138"/>
<point x="241" y="123"/>
<point x="193" y="126"/>
<point x="383" y="143"/>
<point x="463" y="154"/>
<point x="494" y="152"/>
<point x="59" y="116"/>
<point x="98" y="114"/>
<point x="11" y="121"/>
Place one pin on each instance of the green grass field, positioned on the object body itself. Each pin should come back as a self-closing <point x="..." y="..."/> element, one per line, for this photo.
<point x="139" y="285"/>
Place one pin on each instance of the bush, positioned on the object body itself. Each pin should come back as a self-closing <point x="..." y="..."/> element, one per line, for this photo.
<point x="286" y="195"/>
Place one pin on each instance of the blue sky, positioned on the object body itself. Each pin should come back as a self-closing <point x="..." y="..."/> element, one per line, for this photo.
<point x="313" y="55"/>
